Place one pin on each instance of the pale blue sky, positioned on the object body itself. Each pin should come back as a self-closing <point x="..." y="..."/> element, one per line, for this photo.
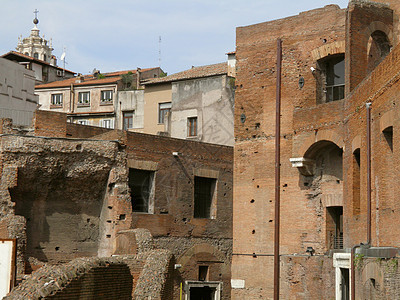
<point x="124" y="34"/>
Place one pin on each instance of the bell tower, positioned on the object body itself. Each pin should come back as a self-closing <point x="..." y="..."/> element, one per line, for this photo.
<point x="36" y="46"/>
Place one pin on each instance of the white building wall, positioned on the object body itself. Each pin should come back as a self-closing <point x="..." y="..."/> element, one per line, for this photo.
<point x="131" y="101"/>
<point x="211" y="100"/>
<point x="17" y="99"/>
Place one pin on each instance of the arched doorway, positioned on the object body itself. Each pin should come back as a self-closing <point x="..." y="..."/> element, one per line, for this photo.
<point x="325" y="191"/>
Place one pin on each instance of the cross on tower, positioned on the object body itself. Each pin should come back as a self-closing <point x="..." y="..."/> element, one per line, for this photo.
<point x="35" y="12"/>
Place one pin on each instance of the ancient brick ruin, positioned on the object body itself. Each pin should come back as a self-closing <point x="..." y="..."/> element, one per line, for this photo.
<point x="72" y="191"/>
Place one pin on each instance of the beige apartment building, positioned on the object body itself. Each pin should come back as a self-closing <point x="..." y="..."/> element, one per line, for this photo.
<point x="195" y="104"/>
<point x="110" y="100"/>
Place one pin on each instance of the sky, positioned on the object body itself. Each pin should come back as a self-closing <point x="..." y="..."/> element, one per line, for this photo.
<point x="125" y="34"/>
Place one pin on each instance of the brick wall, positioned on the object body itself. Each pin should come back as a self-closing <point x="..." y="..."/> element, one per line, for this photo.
<point x="303" y="120"/>
<point x="51" y="124"/>
<point x="307" y="128"/>
<point x="381" y="89"/>
<point x="84" y="131"/>
<point x="173" y="224"/>
<point x="377" y="278"/>
<point x="100" y="278"/>
<point x="364" y="18"/>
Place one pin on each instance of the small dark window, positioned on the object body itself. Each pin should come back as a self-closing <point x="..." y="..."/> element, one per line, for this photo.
<point x="36" y="55"/>
<point x="83" y="98"/>
<point x="192" y="126"/>
<point x="356" y="181"/>
<point x="106" y="96"/>
<point x="57" y="99"/>
<point x="163" y="110"/>
<point x="203" y="273"/>
<point x="44" y="57"/>
<point x="204" y="189"/>
<point x="388" y="134"/>
<point x="141" y="185"/>
<point x="128" y="119"/>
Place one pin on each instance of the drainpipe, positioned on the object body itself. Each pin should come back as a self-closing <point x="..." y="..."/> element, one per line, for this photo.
<point x="277" y="168"/>
<point x="369" y="192"/>
<point x="353" y="273"/>
<point x="71" y="99"/>
<point x="368" y="106"/>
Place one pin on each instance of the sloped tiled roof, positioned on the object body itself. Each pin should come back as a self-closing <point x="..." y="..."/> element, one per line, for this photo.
<point x="86" y="81"/>
<point x="194" y="72"/>
<point x="27" y="57"/>
<point x="110" y="77"/>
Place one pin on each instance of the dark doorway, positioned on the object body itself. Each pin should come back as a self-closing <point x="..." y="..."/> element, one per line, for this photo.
<point x="141" y="184"/>
<point x="345" y="283"/>
<point x="334" y="227"/>
<point x="201" y="293"/>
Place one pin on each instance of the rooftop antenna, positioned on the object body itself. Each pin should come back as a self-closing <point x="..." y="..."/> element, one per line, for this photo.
<point x="63" y="59"/>
<point x="159" y="51"/>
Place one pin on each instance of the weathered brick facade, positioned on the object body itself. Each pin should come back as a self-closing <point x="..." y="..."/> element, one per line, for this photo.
<point x="67" y="193"/>
<point x="323" y="195"/>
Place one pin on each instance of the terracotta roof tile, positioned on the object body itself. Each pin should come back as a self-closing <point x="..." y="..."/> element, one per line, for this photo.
<point x="89" y="79"/>
<point x="194" y="72"/>
<point x="69" y="81"/>
<point x="39" y="61"/>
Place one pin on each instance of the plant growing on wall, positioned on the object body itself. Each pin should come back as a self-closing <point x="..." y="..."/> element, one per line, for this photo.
<point x="127" y="80"/>
<point x="358" y="260"/>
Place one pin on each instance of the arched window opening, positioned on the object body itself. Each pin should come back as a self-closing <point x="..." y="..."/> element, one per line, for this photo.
<point x="388" y="134"/>
<point x="378" y="48"/>
<point x="36" y="55"/>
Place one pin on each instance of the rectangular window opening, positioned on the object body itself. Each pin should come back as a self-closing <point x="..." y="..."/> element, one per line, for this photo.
<point x="330" y="78"/>
<point x="163" y="110"/>
<point x="108" y="123"/>
<point x="356" y="181"/>
<point x="84" y="98"/>
<point x="203" y="273"/>
<point x="106" y="96"/>
<point x="192" y="126"/>
<point x="57" y="99"/>
<point x="141" y="184"/>
<point x="128" y="119"/>
<point x="204" y="196"/>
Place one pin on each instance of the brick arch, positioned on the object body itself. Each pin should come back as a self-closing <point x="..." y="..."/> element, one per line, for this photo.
<point x="321" y="135"/>
<point x="356" y="143"/>
<point x="378" y="26"/>
<point x="386" y="120"/>
<point x="328" y="49"/>
<point x="200" y="248"/>
<point x="372" y="270"/>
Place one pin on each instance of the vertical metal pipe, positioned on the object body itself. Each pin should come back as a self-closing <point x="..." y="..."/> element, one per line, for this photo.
<point x="277" y="168"/>
<point x="368" y="106"/>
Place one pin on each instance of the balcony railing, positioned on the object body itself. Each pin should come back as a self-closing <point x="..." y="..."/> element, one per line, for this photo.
<point x="334" y="92"/>
<point x="338" y="241"/>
